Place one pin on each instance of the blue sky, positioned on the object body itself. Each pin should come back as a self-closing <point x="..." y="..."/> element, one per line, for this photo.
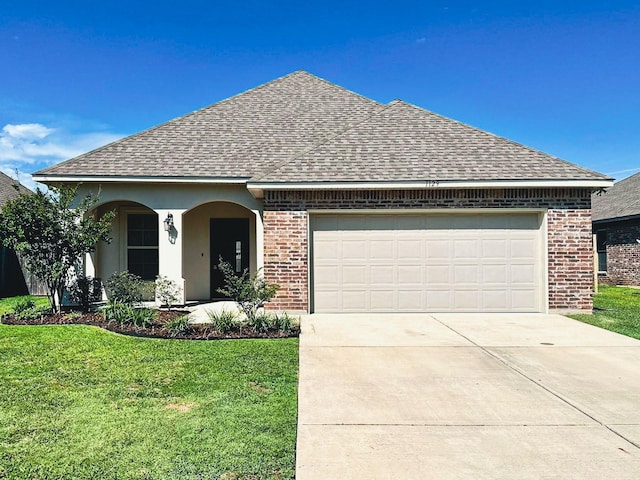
<point x="562" y="77"/>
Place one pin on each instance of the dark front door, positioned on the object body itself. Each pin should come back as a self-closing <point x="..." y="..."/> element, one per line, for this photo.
<point x="229" y="240"/>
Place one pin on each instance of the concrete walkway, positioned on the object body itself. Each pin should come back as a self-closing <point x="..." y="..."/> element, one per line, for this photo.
<point x="472" y="396"/>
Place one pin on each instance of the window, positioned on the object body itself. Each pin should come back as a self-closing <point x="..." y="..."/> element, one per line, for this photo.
<point x="142" y="245"/>
<point x="601" y="248"/>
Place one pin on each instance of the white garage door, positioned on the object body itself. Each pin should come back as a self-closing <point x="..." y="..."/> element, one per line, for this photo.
<point x="433" y="262"/>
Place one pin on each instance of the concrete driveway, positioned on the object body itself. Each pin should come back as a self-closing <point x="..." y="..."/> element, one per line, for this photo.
<point x="474" y="396"/>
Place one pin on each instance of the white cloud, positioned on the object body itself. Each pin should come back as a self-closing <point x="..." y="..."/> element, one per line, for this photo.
<point x="27" y="131"/>
<point x="33" y="146"/>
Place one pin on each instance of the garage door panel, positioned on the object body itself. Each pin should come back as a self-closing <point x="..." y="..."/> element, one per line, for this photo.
<point x="494" y="274"/>
<point x="466" y="300"/>
<point x="438" y="249"/>
<point x="437" y="274"/>
<point x="352" y="275"/>
<point x="382" y="300"/>
<point x="523" y="274"/>
<point x="355" y="300"/>
<point x="410" y="274"/>
<point x="494" y="248"/>
<point x="438" y="300"/>
<point x="466" y="274"/>
<point x="495" y="300"/>
<point x="452" y="262"/>
<point x="355" y="250"/>
<point x="381" y="274"/>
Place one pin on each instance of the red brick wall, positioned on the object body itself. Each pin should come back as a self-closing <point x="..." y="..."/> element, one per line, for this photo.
<point x="570" y="255"/>
<point x="568" y="223"/>
<point x="623" y="252"/>
<point x="285" y="258"/>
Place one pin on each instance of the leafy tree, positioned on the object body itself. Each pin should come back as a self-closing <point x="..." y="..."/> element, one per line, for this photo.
<point x="51" y="234"/>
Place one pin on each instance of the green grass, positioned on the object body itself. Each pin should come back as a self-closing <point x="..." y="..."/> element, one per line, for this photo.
<point x="77" y="402"/>
<point x="7" y="304"/>
<point x="616" y="309"/>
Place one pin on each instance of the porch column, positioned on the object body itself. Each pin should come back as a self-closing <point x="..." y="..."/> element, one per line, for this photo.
<point x="259" y="240"/>
<point x="170" y="248"/>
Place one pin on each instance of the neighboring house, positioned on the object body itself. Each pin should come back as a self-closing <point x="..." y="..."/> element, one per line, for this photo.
<point x="12" y="279"/>
<point x="348" y="204"/>
<point x="616" y="226"/>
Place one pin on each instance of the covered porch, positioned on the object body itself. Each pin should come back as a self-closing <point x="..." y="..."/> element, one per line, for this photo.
<point x="179" y="231"/>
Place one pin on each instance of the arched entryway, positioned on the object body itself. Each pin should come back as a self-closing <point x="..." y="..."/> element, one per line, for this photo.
<point x="213" y="230"/>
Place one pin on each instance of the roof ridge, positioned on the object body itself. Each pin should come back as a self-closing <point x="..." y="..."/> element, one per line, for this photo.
<point x="513" y="142"/>
<point x="316" y="145"/>
<point x="186" y="115"/>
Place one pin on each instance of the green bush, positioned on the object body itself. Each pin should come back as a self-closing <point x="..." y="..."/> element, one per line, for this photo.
<point x="32" y="312"/>
<point x="224" y="321"/>
<point x="142" y="317"/>
<point x="250" y="292"/>
<point x="167" y="291"/>
<point x="261" y="322"/>
<point x="126" y="314"/>
<point x="23" y="304"/>
<point x="117" y="312"/>
<point x="125" y="288"/>
<point x="85" y="291"/>
<point x="177" y="325"/>
<point x="283" y="322"/>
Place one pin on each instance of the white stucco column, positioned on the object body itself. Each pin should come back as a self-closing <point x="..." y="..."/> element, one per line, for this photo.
<point x="259" y="240"/>
<point x="170" y="248"/>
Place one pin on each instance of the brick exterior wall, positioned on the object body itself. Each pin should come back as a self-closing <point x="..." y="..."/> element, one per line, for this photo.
<point x="570" y="249"/>
<point x="285" y="258"/>
<point x="623" y="252"/>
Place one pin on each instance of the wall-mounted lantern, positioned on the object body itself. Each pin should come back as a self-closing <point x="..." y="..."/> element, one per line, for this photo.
<point x="168" y="223"/>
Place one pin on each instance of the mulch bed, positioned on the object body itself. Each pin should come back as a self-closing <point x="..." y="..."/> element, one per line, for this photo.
<point x="156" y="330"/>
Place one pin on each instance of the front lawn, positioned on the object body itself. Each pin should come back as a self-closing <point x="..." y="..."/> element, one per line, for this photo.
<point x="616" y="309"/>
<point x="79" y="402"/>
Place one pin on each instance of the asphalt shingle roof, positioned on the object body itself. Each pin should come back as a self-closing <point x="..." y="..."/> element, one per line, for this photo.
<point x="404" y="143"/>
<point x="8" y="190"/>
<point x="237" y="137"/>
<point x="300" y="128"/>
<point x="621" y="200"/>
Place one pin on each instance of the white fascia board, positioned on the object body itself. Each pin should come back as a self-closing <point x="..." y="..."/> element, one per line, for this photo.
<point x="258" y="187"/>
<point x="109" y="179"/>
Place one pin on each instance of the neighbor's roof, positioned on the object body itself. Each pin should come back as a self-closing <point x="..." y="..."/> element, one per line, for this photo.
<point x="620" y="201"/>
<point x="8" y="189"/>
<point x="300" y="129"/>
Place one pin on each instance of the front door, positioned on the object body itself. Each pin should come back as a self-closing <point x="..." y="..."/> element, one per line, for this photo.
<point x="229" y="240"/>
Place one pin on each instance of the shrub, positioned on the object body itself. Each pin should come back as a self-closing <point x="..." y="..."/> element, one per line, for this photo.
<point x="126" y="288"/>
<point x="249" y="292"/>
<point x="177" y="325"/>
<point x="224" y="321"/>
<point x="261" y="322"/>
<point x="23" y="304"/>
<point x="117" y="312"/>
<point x="126" y="314"/>
<point x="85" y="291"/>
<point x="32" y="312"/>
<point x="167" y="291"/>
<point x="142" y="317"/>
<point x="283" y="322"/>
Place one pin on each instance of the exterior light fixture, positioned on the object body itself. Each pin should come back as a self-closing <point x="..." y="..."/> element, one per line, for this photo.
<point x="168" y="223"/>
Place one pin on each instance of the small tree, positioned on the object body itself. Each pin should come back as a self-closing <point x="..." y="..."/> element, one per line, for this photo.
<point x="250" y="292"/>
<point x="51" y="235"/>
<point x="167" y="291"/>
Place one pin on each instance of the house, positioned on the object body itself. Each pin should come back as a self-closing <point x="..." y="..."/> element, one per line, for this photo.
<point x="616" y="226"/>
<point x="12" y="278"/>
<point x="348" y="204"/>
